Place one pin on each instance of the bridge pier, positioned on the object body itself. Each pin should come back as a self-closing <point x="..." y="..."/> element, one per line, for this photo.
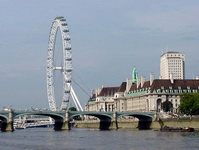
<point x="62" y="124"/>
<point x="7" y="125"/>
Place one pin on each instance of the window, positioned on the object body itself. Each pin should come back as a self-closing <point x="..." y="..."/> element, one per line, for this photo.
<point x="158" y="90"/>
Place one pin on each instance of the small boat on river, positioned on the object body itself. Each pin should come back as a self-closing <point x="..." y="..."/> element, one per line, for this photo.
<point x="176" y="129"/>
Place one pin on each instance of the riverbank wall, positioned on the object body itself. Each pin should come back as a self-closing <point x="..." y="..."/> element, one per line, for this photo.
<point x="156" y="125"/>
<point x="176" y="122"/>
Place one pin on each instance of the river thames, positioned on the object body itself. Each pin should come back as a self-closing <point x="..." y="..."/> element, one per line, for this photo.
<point x="88" y="139"/>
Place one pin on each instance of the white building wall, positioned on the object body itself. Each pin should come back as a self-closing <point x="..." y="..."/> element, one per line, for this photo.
<point x="172" y="63"/>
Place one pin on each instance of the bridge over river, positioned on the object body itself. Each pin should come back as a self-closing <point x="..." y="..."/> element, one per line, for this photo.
<point x="108" y="120"/>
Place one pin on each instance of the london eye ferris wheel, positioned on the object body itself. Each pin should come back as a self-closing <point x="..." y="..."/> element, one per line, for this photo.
<point x="65" y="68"/>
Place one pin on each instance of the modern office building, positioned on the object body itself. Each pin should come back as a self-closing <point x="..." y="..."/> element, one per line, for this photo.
<point x="172" y="65"/>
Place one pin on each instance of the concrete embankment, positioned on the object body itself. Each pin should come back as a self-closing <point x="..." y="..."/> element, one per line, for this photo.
<point x="131" y="124"/>
<point x="128" y="124"/>
<point x="176" y="122"/>
<point x="87" y="124"/>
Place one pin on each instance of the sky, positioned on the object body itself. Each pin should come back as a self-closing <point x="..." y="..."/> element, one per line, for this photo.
<point x="108" y="39"/>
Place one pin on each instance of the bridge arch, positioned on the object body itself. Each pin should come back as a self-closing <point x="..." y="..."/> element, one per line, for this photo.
<point x="105" y="118"/>
<point x="139" y="116"/>
<point x="54" y="116"/>
<point x="3" y="122"/>
<point x="59" y="119"/>
<point x="144" y="119"/>
<point x="100" y="116"/>
<point x="3" y="117"/>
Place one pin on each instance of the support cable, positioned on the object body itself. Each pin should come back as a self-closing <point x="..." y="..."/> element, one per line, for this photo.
<point x="80" y="87"/>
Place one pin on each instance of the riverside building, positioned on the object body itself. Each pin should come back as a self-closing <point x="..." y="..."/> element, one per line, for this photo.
<point x="102" y="99"/>
<point x="138" y="95"/>
<point x="172" y="64"/>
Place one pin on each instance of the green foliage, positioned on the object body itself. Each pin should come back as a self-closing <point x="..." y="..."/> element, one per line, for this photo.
<point x="189" y="103"/>
<point x="72" y="109"/>
<point x="167" y="106"/>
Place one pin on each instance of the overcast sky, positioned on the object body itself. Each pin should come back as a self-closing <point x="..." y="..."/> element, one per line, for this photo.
<point x="108" y="38"/>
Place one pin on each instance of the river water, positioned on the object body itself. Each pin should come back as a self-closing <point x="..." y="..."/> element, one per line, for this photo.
<point x="87" y="139"/>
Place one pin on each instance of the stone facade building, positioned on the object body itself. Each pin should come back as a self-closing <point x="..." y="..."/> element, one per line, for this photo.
<point x="141" y="96"/>
<point x="150" y="95"/>
<point x="102" y="99"/>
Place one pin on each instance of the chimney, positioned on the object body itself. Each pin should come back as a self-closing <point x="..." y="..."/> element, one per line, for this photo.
<point x="142" y="80"/>
<point x="128" y="85"/>
<point x="138" y="81"/>
<point x="152" y="77"/>
<point x="98" y="90"/>
<point x="171" y="78"/>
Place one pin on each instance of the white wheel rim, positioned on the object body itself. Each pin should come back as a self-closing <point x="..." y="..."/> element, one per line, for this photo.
<point x="66" y="69"/>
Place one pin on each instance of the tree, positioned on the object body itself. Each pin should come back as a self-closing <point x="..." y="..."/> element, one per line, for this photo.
<point x="189" y="103"/>
<point x="167" y="106"/>
<point x="72" y="109"/>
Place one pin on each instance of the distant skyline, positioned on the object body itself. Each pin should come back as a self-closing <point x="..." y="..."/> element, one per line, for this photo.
<point x="108" y="39"/>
